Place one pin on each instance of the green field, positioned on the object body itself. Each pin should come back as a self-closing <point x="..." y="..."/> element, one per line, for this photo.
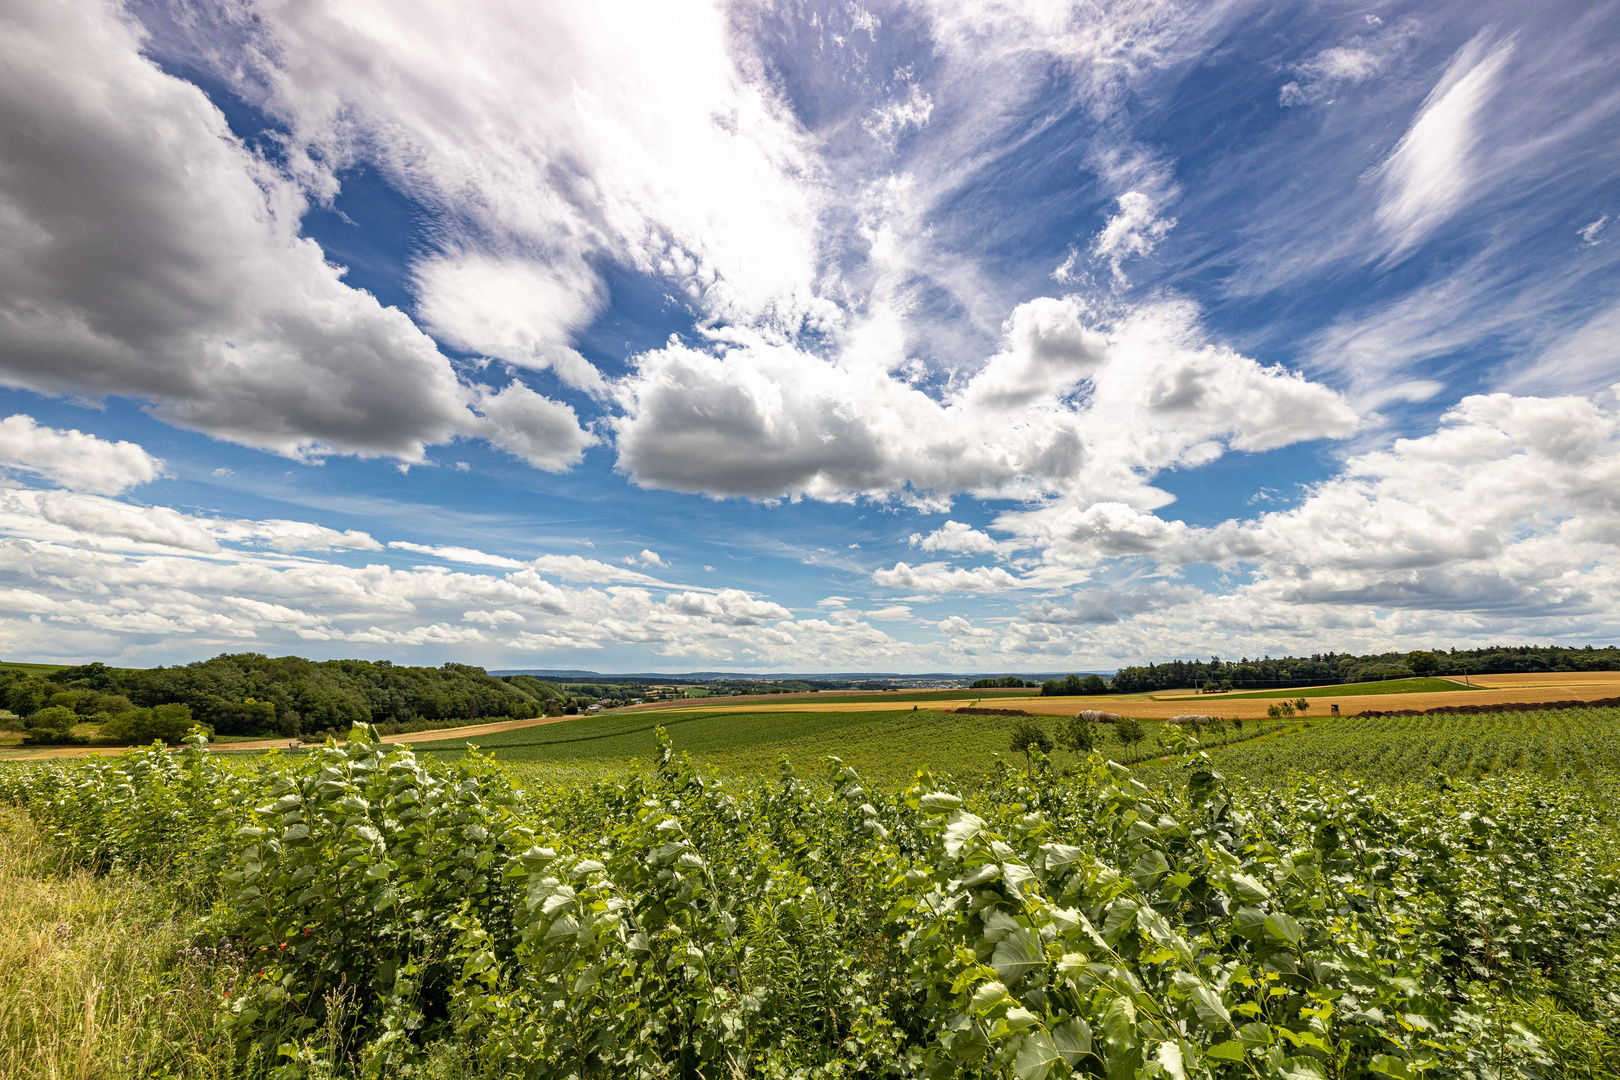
<point x="31" y="669"/>
<point x="895" y="745"/>
<point x="1389" y="686"/>
<point x="906" y="697"/>
<point x="1359" y="899"/>
<point x="1575" y="742"/>
<point x="737" y="742"/>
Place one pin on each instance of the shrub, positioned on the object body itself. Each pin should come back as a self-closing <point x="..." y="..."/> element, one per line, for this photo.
<point x="1301" y="705"/>
<point x="52" y="718"/>
<point x="1028" y="736"/>
<point x="51" y="726"/>
<point x="161" y="723"/>
<point x="1080" y="734"/>
<point x="1129" y="730"/>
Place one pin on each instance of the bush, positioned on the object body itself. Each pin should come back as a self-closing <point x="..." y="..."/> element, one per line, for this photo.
<point x="1301" y="705"/>
<point x="1129" y="730"/>
<point x="1028" y="736"/>
<point x="162" y="723"/>
<point x="51" y="726"/>
<point x="52" y="718"/>
<point x="1080" y="734"/>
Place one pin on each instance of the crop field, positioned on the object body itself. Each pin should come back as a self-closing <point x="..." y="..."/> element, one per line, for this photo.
<point x="1574" y="742"/>
<point x="744" y="743"/>
<point x="653" y="895"/>
<point x="1390" y="686"/>
<point x="1259" y="909"/>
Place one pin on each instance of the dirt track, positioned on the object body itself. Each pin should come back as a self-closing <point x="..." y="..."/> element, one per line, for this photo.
<point x="43" y="753"/>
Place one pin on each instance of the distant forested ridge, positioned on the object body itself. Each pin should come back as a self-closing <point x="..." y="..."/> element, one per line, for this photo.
<point x="1333" y="667"/>
<point x="252" y="694"/>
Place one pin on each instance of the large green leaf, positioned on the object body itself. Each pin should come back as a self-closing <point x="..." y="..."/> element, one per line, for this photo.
<point x="1017" y="954"/>
<point x="1035" y="1057"/>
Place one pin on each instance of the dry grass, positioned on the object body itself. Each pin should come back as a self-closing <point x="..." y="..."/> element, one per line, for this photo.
<point x="98" y="975"/>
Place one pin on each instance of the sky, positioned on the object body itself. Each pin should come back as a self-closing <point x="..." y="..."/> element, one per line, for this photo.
<point x="801" y="336"/>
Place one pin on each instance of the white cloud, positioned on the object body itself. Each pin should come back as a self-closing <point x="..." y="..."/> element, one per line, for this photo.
<point x="145" y="251"/>
<point x="957" y="629"/>
<point x="1431" y="172"/>
<point x="549" y="137"/>
<point x="543" y="432"/>
<point x="578" y="568"/>
<point x="1589" y="233"/>
<point x="282" y="535"/>
<point x="647" y="557"/>
<point x="465" y="555"/>
<point x="728" y="606"/>
<point x="1135" y="230"/>
<point x="517" y="310"/>
<point x="493" y="619"/>
<point x="938" y="577"/>
<point x="765" y="420"/>
<point x="956" y="537"/>
<point x="1327" y="71"/>
<point x="888" y="123"/>
<point x="73" y="459"/>
<point x="1050" y="347"/>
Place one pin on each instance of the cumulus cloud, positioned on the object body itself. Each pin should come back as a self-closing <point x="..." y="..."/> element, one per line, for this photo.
<point x="646" y="557"/>
<point x="938" y="577"/>
<point x="72" y="459"/>
<point x="768" y="420"/>
<point x="531" y="426"/>
<point x="282" y="535"/>
<point x="1508" y="507"/>
<point x="1051" y="345"/>
<point x="1431" y="172"/>
<point x="729" y="606"/>
<point x="954" y="536"/>
<point x="579" y="568"/>
<point x="145" y="251"/>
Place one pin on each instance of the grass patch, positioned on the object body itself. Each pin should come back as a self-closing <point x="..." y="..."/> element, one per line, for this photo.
<point x="1390" y="686"/>
<point x="99" y="976"/>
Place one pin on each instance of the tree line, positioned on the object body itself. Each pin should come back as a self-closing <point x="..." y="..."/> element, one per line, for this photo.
<point x="253" y="694"/>
<point x="1217" y="675"/>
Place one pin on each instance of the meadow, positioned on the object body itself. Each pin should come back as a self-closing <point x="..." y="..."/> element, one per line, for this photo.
<point x="663" y="894"/>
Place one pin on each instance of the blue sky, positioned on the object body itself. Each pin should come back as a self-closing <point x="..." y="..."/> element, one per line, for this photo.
<point x="806" y="337"/>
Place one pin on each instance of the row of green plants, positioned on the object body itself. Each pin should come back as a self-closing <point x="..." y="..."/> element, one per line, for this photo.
<point x="1572" y="743"/>
<point x="396" y="913"/>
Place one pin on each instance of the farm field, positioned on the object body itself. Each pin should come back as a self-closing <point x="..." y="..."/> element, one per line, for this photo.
<point x="1378" y="898"/>
<point x="744" y="743"/>
<point x="1390" y="686"/>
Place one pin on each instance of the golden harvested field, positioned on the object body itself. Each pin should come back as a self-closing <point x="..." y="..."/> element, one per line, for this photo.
<point x="1579" y="681"/>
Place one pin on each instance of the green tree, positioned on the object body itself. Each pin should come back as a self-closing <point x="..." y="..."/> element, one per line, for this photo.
<point x="1130" y="730"/>
<point x="1301" y="705"/>
<point x="162" y="723"/>
<point x="28" y="695"/>
<point x="1028" y="736"/>
<point x="1423" y="663"/>
<point x="1080" y="734"/>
